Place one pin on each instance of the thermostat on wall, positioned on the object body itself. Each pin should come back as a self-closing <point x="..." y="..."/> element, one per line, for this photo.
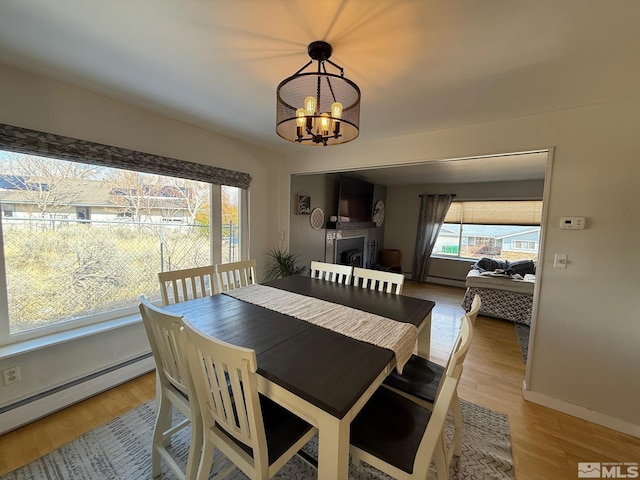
<point x="572" y="223"/>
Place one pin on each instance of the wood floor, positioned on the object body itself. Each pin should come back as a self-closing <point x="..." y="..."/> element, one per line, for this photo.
<point x="545" y="444"/>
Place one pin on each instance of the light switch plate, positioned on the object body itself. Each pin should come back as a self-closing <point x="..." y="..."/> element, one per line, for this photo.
<point x="560" y="260"/>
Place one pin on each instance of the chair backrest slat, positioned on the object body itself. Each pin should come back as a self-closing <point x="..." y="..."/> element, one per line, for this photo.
<point x="331" y="272"/>
<point x="187" y="284"/>
<point x="230" y="276"/>
<point x="378" y="280"/>
<point x="226" y="386"/>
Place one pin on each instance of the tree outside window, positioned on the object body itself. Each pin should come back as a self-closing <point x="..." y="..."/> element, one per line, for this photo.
<point x="84" y="242"/>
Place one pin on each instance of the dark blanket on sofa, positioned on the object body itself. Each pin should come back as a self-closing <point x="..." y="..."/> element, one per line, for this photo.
<point x="521" y="267"/>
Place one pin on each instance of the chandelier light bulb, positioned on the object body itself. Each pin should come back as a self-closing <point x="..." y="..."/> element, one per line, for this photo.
<point x="301" y="119"/>
<point x="325" y="121"/>
<point x="310" y="108"/>
<point x="336" y="113"/>
<point x="336" y="110"/>
<point x="310" y="105"/>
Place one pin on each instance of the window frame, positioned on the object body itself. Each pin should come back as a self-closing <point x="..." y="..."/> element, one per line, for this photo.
<point x="9" y="208"/>
<point x="459" y="215"/>
<point x="518" y="248"/>
<point x="32" y="142"/>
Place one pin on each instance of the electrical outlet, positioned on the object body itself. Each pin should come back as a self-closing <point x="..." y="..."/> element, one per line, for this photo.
<point x="11" y="375"/>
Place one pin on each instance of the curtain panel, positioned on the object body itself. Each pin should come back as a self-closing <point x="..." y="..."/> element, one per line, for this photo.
<point x="33" y="142"/>
<point x="433" y="209"/>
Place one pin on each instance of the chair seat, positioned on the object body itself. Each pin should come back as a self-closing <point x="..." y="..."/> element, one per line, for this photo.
<point x="282" y="429"/>
<point x="391" y="428"/>
<point x="420" y="378"/>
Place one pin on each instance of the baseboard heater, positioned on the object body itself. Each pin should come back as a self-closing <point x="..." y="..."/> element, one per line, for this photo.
<point x="37" y="406"/>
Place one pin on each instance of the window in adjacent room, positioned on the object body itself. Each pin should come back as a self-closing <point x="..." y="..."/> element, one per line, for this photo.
<point x="509" y="230"/>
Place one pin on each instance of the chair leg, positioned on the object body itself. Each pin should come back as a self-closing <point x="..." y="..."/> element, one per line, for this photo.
<point x="195" y="448"/>
<point x="163" y="423"/>
<point x="442" y="466"/>
<point x="455" y="448"/>
<point x="206" y="460"/>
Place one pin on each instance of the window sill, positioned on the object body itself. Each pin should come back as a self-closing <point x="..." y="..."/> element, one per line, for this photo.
<point x="26" y="346"/>
<point x="456" y="259"/>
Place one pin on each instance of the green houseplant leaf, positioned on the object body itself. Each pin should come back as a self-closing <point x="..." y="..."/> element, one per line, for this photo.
<point x="283" y="263"/>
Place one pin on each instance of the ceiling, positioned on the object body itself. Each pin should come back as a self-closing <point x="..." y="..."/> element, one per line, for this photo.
<point x="498" y="168"/>
<point x="422" y="65"/>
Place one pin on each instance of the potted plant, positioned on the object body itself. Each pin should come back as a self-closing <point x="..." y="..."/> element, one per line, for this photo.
<point x="283" y="263"/>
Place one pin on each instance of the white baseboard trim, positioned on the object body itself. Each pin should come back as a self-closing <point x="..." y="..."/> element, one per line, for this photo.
<point x="581" y="412"/>
<point x="46" y="403"/>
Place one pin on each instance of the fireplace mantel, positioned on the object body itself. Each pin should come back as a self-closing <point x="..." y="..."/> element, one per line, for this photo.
<point x="349" y="225"/>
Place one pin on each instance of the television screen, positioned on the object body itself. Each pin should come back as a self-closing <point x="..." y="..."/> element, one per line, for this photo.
<point x="355" y="200"/>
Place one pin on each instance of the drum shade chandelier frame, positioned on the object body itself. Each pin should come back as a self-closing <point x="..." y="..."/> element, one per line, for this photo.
<point x="318" y="108"/>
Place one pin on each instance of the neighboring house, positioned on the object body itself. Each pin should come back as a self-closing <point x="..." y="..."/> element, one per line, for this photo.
<point x="487" y="239"/>
<point x="87" y="200"/>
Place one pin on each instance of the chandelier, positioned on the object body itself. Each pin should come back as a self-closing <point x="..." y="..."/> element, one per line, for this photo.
<point x="318" y="108"/>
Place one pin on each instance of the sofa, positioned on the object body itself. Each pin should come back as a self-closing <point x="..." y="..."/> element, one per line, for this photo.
<point x="505" y="288"/>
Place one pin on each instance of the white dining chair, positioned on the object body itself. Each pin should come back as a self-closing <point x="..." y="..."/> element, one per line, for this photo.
<point x="186" y="284"/>
<point x="331" y="272"/>
<point x="395" y="434"/>
<point x="230" y="276"/>
<point x="421" y="380"/>
<point x="378" y="280"/>
<point x="257" y="435"/>
<point x="164" y="334"/>
<point x="475" y="308"/>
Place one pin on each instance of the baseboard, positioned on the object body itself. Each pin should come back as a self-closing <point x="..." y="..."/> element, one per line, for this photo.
<point x="446" y="281"/>
<point x="581" y="412"/>
<point x="45" y="403"/>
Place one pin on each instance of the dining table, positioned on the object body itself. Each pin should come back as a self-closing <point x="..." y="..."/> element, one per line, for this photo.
<point x="322" y="376"/>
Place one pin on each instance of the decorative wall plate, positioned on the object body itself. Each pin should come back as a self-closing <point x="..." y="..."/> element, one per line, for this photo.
<point x="316" y="219"/>
<point x="378" y="213"/>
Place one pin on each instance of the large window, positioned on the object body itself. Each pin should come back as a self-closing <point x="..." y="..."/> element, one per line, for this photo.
<point x="82" y="242"/>
<point x="508" y="230"/>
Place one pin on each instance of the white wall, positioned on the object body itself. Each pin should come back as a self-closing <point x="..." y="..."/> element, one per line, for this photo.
<point x="37" y="103"/>
<point x="585" y="358"/>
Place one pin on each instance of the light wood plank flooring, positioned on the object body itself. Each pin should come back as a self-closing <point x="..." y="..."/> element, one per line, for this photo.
<point x="545" y="444"/>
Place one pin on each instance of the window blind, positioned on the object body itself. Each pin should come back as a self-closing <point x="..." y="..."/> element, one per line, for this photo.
<point x="33" y="142"/>
<point x="516" y="212"/>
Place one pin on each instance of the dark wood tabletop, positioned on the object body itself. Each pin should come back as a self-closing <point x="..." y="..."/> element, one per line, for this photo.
<point x="389" y="305"/>
<point x="327" y="369"/>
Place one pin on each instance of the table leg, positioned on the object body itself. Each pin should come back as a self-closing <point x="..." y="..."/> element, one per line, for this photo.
<point x="333" y="448"/>
<point x="424" y="337"/>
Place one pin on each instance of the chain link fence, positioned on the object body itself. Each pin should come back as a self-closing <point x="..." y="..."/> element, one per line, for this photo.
<point x="62" y="270"/>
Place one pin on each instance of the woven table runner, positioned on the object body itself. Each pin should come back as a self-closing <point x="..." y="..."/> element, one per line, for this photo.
<point x="399" y="337"/>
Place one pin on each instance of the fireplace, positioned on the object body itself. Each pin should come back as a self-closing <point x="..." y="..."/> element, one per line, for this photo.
<point x="351" y="257"/>
<point x="350" y="251"/>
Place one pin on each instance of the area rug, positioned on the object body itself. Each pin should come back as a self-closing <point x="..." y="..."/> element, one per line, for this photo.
<point x="121" y="450"/>
<point x="522" y="331"/>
